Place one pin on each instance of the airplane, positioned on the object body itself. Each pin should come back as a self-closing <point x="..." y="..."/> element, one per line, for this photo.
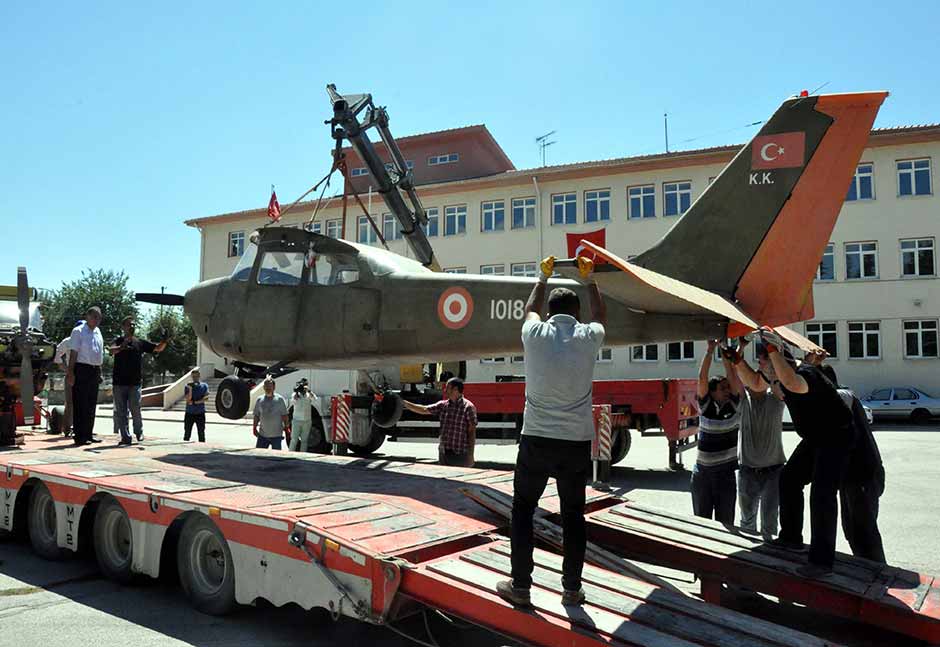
<point x="744" y="255"/>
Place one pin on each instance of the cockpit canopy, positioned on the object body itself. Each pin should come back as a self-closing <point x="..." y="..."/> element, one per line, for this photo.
<point x="10" y="315"/>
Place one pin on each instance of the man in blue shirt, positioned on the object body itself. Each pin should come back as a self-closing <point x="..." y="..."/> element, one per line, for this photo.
<point x="197" y="393"/>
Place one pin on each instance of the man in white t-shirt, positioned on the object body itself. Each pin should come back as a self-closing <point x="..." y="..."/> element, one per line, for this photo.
<point x="83" y="375"/>
<point x="557" y="427"/>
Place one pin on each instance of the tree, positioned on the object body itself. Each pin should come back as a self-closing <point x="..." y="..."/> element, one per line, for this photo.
<point x="107" y="289"/>
<point x="180" y="354"/>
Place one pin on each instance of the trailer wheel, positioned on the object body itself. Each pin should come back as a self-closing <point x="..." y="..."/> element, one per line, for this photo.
<point x="620" y="446"/>
<point x="42" y="524"/>
<point x="114" y="543"/>
<point x="376" y="438"/>
<point x="232" y="398"/>
<point x="56" y="418"/>
<point x="205" y="566"/>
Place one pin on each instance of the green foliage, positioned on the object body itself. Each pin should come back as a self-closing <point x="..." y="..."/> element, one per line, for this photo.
<point x="180" y="354"/>
<point x="106" y="289"/>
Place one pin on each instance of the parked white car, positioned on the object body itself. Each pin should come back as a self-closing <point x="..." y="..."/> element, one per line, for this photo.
<point x="903" y="402"/>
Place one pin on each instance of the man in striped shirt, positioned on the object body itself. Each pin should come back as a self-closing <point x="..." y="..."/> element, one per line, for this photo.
<point x="714" y="491"/>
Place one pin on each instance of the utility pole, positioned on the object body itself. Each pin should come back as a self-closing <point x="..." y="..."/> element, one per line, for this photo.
<point x="543" y="143"/>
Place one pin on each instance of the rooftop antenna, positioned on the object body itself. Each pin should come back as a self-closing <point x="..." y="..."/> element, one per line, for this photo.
<point x="543" y="143"/>
<point x="666" y="129"/>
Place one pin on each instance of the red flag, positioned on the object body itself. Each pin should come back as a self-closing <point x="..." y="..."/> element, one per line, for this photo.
<point x="785" y="150"/>
<point x="274" y="209"/>
<point x="575" y="248"/>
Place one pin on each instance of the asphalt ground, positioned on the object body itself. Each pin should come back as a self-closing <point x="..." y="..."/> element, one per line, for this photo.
<point x="68" y="603"/>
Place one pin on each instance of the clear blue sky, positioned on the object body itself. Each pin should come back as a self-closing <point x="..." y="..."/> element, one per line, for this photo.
<point x="120" y="120"/>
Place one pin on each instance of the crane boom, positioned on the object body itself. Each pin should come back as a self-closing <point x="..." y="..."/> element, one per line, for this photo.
<point x="393" y="180"/>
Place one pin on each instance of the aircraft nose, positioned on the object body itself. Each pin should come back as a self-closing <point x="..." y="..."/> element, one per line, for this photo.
<point x="199" y="303"/>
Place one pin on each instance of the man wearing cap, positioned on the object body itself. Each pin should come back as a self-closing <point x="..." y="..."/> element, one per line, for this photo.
<point x="83" y="375"/>
<point x="128" y="351"/>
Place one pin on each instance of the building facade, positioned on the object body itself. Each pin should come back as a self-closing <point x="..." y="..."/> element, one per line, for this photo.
<point x="877" y="293"/>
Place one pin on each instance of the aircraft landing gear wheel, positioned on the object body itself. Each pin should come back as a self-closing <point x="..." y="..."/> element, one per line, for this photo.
<point x="376" y="438"/>
<point x="205" y="566"/>
<point x="114" y="544"/>
<point x="620" y="446"/>
<point x="56" y="418"/>
<point x="42" y="524"/>
<point x="319" y="443"/>
<point x="231" y="400"/>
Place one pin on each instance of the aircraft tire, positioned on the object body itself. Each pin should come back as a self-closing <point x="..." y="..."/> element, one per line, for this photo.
<point x="323" y="445"/>
<point x="387" y="412"/>
<point x="205" y="566"/>
<point x="232" y="398"/>
<point x="620" y="446"/>
<point x="376" y="438"/>
<point x="56" y="417"/>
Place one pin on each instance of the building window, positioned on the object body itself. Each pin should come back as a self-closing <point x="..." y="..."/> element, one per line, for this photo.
<point x="334" y="228"/>
<point x="914" y="177"/>
<point x="605" y="355"/>
<point x="864" y="340"/>
<point x="565" y="209"/>
<point x="597" y="205"/>
<point x="434" y="217"/>
<point x="316" y="227"/>
<point x="517" y="359"/>
<point x="680" y="351"/>
<point x="448" y="158"/>
<point x="677" y="197"/>
<point x="827" y="265"/>
<point x="495" y="270"/>
<point x="920" y="338"/>
<point x="642" y="201"/>
<point x="390" y="228"/>
<point x="917" y="257"/>
<point x="645" y="353"/>
<point x="523" y="213"/>
<point x="523" y="269"/>
<point x="366" y="233"/>
<point x="862" y="186"/>
<point x="455" y="270"/>
<point x="455" y="220"/>
<point x="861" y="260"/>
<point x="493" y="360"/>
<point x="236" y="243"/>
<point x="493" y="214"/>
<point x="357" y="172"/>
<point x="824" y="335"/>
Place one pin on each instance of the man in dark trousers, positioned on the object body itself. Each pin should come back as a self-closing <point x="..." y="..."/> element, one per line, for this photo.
<point x="128" y="351"/>
<point x="458" y="417"/>
<point x="864" y="483"/>
<point x="557" y="428"/>
<point x="825" y="426"/>
<point x="86" y="353"/>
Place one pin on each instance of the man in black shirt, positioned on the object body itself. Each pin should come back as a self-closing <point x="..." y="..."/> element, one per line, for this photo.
<point x="127" y="351"/>
<point x="825" y="426"/>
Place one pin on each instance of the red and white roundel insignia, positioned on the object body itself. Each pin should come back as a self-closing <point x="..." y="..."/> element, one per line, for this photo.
<point x="455" y="307"/>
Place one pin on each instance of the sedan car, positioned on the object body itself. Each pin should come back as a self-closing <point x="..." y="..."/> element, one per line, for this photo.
<point x="903" y="403"/>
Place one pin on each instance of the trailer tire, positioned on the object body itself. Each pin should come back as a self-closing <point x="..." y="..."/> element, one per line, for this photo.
<point x="232" y="398"/>
<point x="620" y="446"/>
<point x="114" y="542"/>
<point x="43" y="525"/>
<point x="376" y="438"/>
<point x="56" y="418"/>
<point x="205" y="566"/>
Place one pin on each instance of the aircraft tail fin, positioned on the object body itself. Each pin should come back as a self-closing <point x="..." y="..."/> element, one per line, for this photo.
<point x="757" y="233"/>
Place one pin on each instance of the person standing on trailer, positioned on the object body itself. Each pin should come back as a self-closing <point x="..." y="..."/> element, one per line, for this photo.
<point x="62" y="359"/>
<point x="270" y="417"/>
<point x="864" y="482"/>
<point x="196" y="394"/>
<point x="714" y="491"/>
<point x="86" y="354"/>
<point x="761" y="455"/>
<point x="557" y="427"/>
<point x="824" y="423"/>
<point x="458" y="417"/>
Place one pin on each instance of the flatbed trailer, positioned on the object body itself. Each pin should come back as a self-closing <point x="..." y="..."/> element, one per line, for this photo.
<point x="654" y="407"/>
<point x="369" y="539"/>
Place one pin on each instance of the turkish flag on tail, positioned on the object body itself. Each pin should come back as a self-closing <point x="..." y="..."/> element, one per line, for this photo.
<point x="784" y="150"/>
<point x="274" y="209"/>
<point x="575" y="248"/>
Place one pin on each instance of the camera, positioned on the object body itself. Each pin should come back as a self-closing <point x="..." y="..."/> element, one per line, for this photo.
<point x="301" y="386"/>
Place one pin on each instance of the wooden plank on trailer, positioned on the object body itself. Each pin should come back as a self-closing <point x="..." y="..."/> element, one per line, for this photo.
<point x="53" y="458"/>
<point x="179" y="483"/>
<point x="388" y="526"/>
<point x="349" y="517"/>
<point x="310" y="514"/>
<point x="549" y="601"/>
<point x="101" y="469"/>
<point x="678" y="603"/>
<point x="724" y="551"/>
<point x="311" y="500"/>
<point x="407" y="541"/>
<point x="710" y="630"/>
